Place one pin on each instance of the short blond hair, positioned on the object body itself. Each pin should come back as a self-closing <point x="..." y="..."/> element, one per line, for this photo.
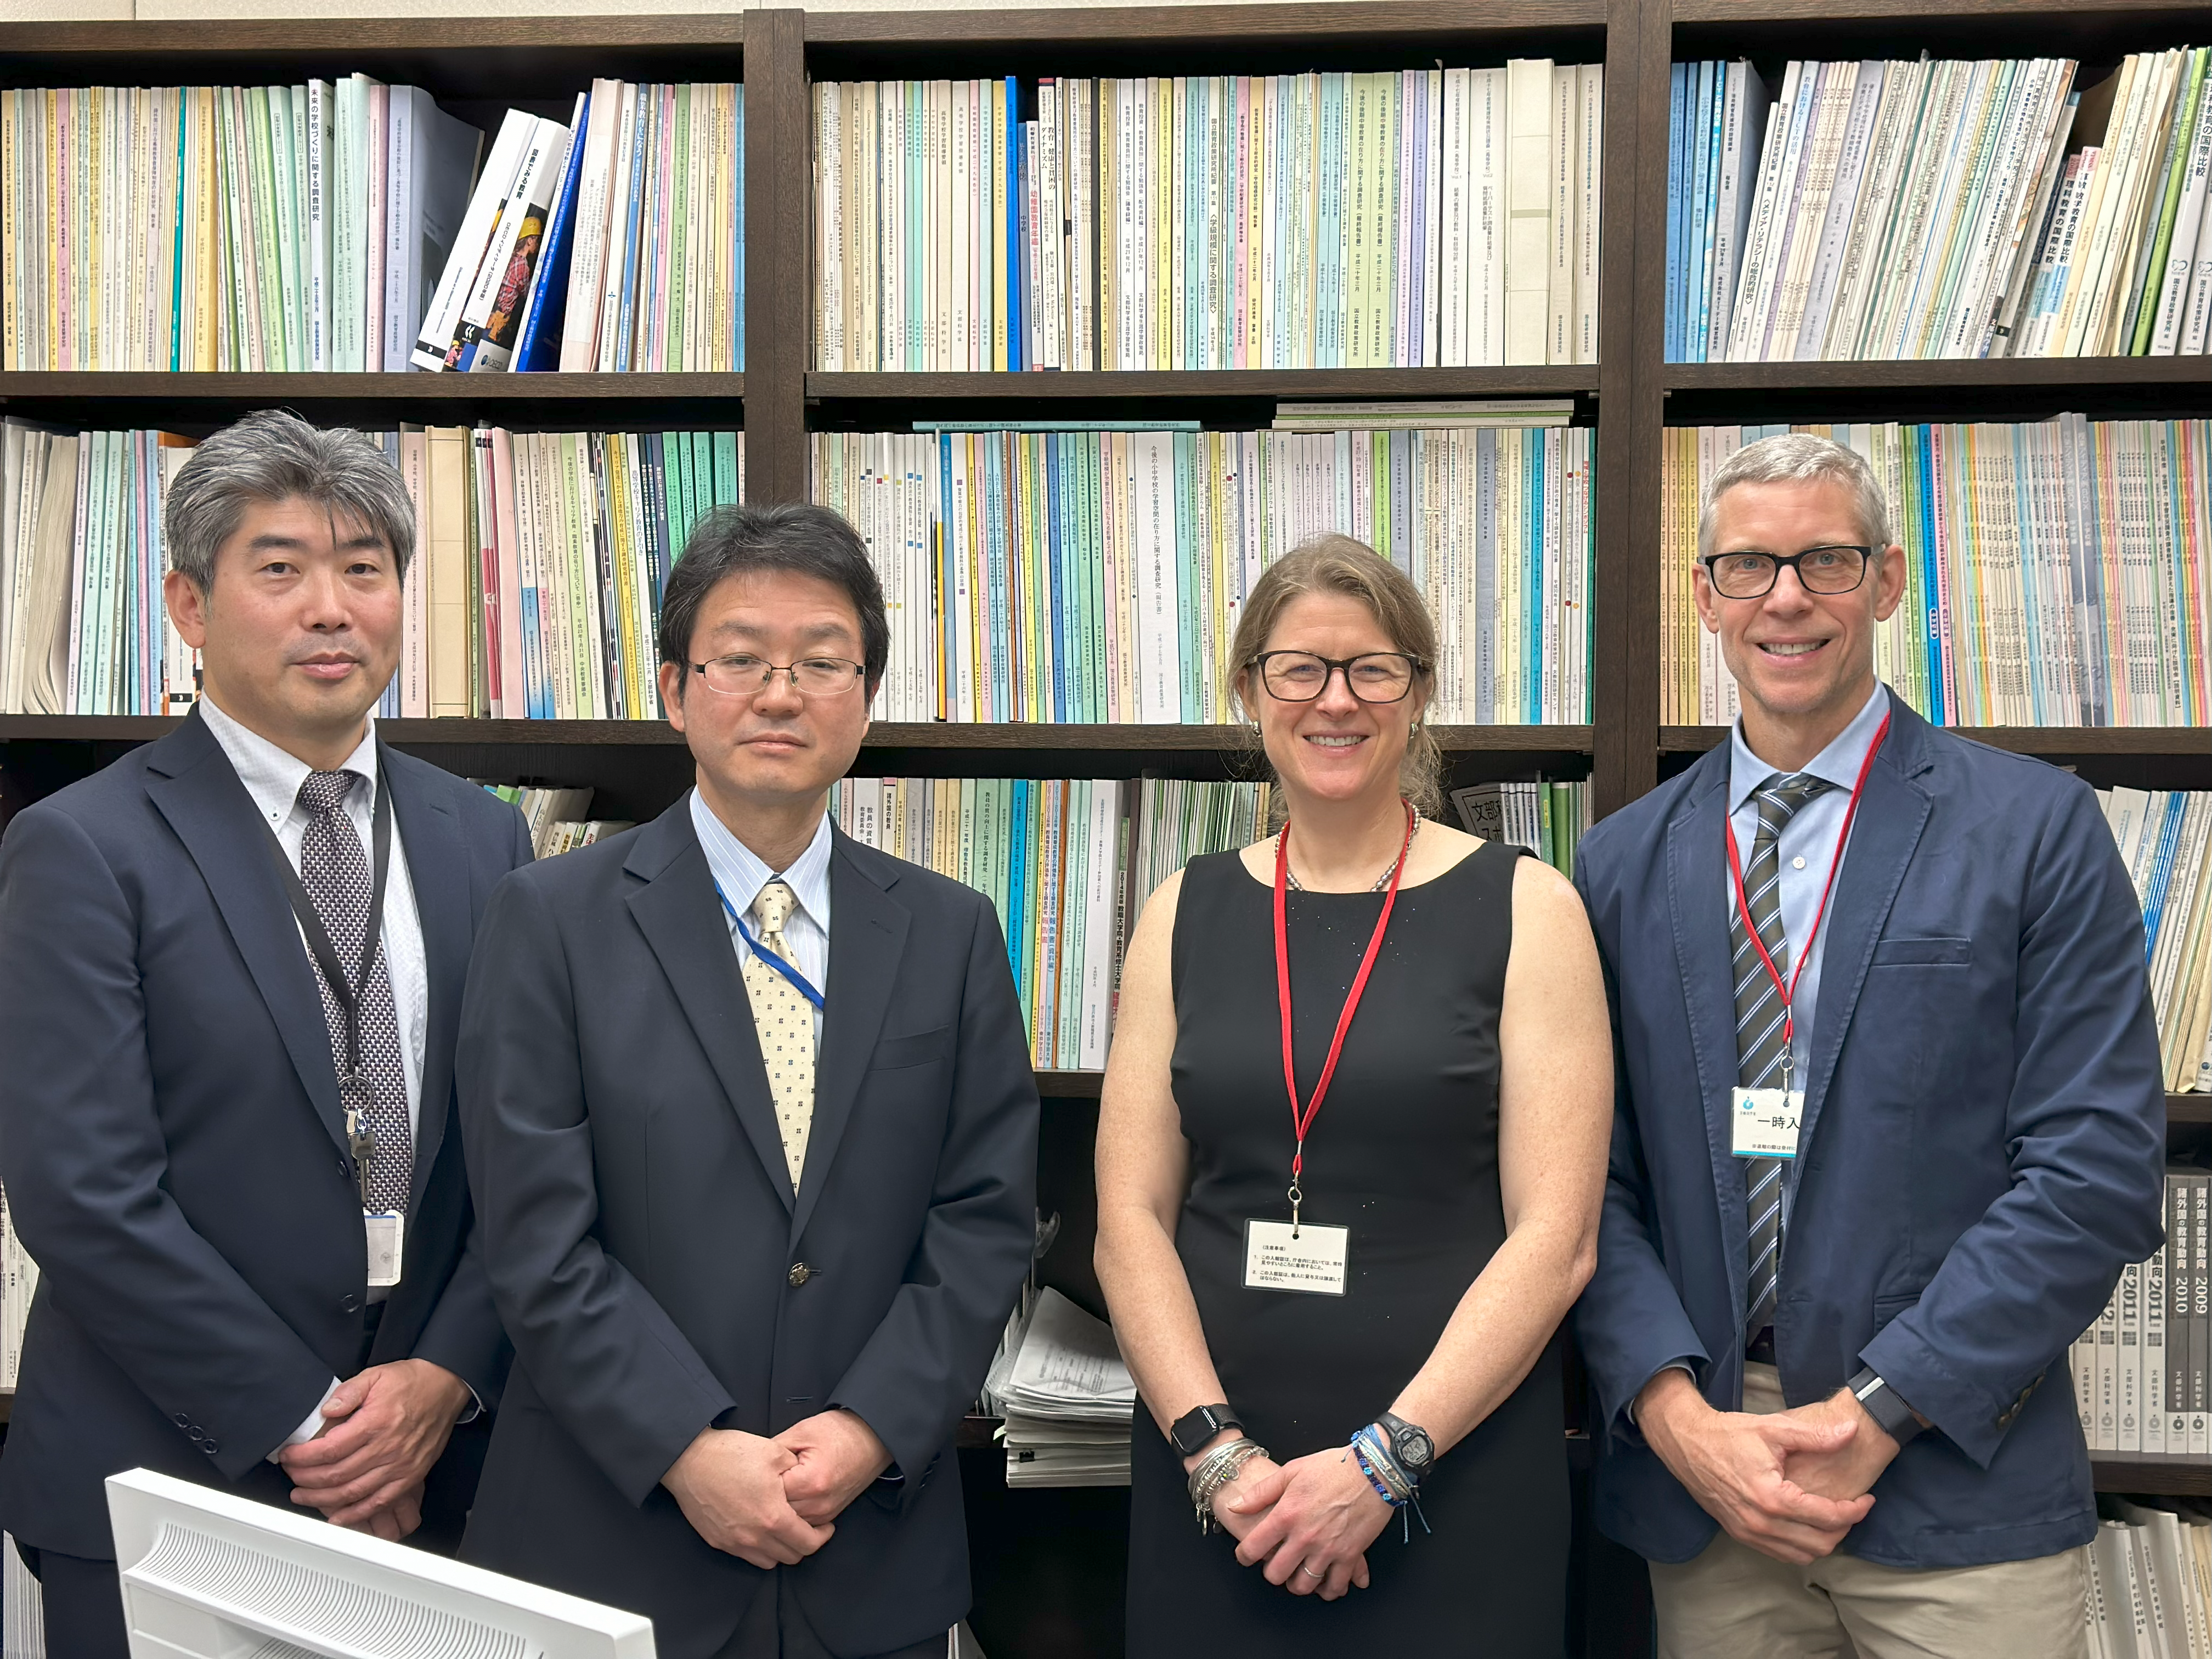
<point x="1338" y="564"/>
<point x="1800" y="458"/>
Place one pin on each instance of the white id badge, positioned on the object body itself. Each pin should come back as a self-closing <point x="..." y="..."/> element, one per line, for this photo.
<point x="387" y="1243"/>
<point x="1312" y="1262"/>
<point x="1765" y="1121"/>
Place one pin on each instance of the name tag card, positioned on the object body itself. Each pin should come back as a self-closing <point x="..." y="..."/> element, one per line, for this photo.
<point x="1764" y="1121"/>
<point x="1312" y="1262"/>
<point x="387" y="1245"/>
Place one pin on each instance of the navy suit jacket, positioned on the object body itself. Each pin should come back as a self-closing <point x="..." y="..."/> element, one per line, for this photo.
<point x="643" y="1241"/>
<point x="1982" y="1147"/>
<point x="171" y="1140"/>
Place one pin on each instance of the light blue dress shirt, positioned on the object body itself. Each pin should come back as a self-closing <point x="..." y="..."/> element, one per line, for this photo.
<point x="1807" y="849"/>
<point x="739" y="872"/>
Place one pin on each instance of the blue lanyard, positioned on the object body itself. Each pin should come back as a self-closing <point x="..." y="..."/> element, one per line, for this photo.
<point x="768" y="956"/>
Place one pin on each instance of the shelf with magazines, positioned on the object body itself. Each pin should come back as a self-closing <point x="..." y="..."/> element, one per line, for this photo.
<point x="935" y="734"/>
<point x="2045" y="740"/>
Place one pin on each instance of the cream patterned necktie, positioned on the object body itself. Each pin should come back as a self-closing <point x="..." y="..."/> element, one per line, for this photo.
<point x="784" y="1019"/>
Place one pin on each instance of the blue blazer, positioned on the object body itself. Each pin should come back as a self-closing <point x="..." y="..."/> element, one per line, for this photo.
<point x="171" y="1139"/>
<point x="1982" y="1147"/>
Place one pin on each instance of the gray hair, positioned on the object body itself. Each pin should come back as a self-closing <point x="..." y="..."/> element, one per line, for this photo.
<point x="272" y="455"/>
<point x="1800" y="458"/>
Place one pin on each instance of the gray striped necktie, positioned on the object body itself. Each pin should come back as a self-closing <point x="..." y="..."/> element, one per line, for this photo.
<point x="1759" y="1042"/>
<point x="335" y="872"/>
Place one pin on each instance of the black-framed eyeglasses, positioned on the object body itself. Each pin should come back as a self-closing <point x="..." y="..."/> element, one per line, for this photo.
<point x="1835" y="568"/>
<point x="1300" y="676"/>
<point x="743" y="675"/>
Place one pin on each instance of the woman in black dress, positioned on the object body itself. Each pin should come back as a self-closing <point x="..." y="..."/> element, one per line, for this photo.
<point x="1392" y="1339"/>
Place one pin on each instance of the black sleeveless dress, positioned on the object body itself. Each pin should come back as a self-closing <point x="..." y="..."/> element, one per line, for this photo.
<point x="1404" y="1152"/>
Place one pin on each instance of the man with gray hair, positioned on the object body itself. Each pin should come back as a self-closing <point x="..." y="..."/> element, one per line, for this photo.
<point x="230" y="981"/>
<point x="1890" y="1122"/>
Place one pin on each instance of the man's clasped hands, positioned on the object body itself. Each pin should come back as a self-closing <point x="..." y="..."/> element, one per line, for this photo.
<point x="1788" y="1483"/>
<point x="774" y="1502"/>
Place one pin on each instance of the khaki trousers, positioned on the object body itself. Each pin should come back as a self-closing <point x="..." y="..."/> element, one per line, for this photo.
<point x="1732" y="1602"/>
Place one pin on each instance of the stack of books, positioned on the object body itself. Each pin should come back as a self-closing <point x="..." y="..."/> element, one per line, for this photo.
<point x="19" y="1282"/>
<point x="1547" y="818"/>
<point x="285" y="227"/>
<point x="2140" y="1372"/>
<point x="1940" y="210"/>
<point x="1431" y="218"/>
<point x="2055" y="571"/>
<point x="535" y="592"/>
<point x="2150" y="1579"/>
<point x="1067" y="1400"/>
<point x="2163" y="836"/>
<point x="1056" y="857"/>
<point x="614" y="243"/>
<point x="554" y="816"/>
<point x="1096" y="576"/>
<point x="83" y="629"/>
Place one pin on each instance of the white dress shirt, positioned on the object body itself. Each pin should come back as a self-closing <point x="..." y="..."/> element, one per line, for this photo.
<point x="739" y="872"/>
<point x="272" y="778"/>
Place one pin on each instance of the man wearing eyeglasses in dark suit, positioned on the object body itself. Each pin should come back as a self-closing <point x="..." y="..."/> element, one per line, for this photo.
<point x="1890" y="1122"/>
<point x="759" y="1128"/>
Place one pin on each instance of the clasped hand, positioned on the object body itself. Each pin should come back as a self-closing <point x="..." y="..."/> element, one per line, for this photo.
<point x="774" y="1502"/>
<point x="1306" y="1524"/>
<point x="382" y="1430"/>
<point x="1788" y="1485"/>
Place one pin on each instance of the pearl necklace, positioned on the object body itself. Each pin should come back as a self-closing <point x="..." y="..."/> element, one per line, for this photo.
<point x="1381" y="881"/>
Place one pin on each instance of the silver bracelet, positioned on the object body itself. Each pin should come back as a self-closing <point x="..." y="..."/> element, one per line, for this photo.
<point x="1221" y="1466"/>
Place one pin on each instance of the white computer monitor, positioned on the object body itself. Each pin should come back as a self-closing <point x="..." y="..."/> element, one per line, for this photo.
<point x="208" y="1576"/>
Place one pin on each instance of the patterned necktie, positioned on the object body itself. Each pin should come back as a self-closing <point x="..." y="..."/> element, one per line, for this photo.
<point x="1759" y="1043"/>
<point x="336" y="874"/>
<point x="784" y="1019"/>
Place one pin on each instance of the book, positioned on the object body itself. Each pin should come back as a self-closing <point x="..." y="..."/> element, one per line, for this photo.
<point x="1203" y="222"/>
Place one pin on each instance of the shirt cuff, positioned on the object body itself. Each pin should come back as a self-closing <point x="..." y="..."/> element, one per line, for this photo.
<point x="473" y="1409"/>
<point x="310" y="1426"/>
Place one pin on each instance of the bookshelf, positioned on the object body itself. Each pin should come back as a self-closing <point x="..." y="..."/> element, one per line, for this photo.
<point x="476" y="67"/>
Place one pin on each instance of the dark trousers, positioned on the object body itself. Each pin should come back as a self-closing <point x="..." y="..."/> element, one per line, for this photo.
<point x="774" y="1627"/>
<point x="83" y="1605"/>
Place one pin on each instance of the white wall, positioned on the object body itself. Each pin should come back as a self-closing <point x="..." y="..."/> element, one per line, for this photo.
<point x="27" y="10"/>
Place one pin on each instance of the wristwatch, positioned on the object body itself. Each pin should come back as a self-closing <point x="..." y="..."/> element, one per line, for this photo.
<point x="1882" y="1404"/>
<point x="1195" y="1428"/>
<point x="1409" y="1443"/>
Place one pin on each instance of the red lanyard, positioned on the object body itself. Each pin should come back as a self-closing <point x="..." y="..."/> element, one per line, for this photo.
<point x="1788" y="992"/>
<point x="1301" y="1121"/>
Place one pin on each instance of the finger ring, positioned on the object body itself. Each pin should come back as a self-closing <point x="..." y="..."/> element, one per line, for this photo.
<point x="1310" y="1573"/>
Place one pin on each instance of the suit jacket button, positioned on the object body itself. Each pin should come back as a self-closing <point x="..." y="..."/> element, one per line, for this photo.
<point x="195" y="1434"/>
<point x="800" y="1273"/>
<point x="209" y="1448"/>
<point x="351" y="1303"/>
<point x="183" y="1421"/>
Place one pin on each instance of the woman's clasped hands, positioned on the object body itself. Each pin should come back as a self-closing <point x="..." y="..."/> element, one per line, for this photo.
<point x="1307" y="1523"/>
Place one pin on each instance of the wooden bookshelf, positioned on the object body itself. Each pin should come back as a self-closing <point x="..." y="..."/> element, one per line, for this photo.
<point x="2151" y="740"/>
<point x="2162" y="1477"/>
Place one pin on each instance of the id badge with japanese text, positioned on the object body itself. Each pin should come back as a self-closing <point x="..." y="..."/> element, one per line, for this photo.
<point x="1763" y="1122"/>
<point x="387" y="1244"/>
<point x="1308" y="1258"/>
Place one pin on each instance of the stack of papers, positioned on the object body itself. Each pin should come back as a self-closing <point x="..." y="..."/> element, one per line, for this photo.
<point x="1066" y="1398"/>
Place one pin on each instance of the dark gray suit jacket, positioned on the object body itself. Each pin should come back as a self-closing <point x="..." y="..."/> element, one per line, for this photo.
<point x="643" y="1241"/>
<point x="171" y="1140"/>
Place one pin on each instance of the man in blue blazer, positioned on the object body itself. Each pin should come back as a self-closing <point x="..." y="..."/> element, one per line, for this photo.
<point x="252" y="1222"/>
<point x="1890" y="1123"/>
<point x="752" y="1128"/>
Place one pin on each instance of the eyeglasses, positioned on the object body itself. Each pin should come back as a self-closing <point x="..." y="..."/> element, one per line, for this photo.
<point x="1301" y="677"/>
<point x="743" y="675"/>
<point x="1746" y="576"/>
